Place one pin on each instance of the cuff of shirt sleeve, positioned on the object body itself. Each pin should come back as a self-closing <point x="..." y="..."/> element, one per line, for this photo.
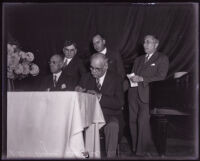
<point x="99" y="98"/>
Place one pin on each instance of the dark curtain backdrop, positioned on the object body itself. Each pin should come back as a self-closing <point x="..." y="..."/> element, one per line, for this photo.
<point x="43" y="28"/>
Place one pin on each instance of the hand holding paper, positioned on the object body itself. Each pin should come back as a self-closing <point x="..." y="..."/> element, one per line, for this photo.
<point x="133" y="84"/>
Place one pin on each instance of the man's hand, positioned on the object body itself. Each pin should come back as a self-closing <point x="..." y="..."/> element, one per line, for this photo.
<point x="79" y="89"/>
<point x="95" y="93"/>
<point x="136" y="78"/>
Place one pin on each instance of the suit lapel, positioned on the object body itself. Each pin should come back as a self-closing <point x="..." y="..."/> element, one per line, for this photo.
<point x="73" y="60"/>
<point x="140" y="65"/>
<point x="60" y="80"/>
<point x="152" y="59"/>
<point x="106" y="81"/>
<point x="92" y="83"/>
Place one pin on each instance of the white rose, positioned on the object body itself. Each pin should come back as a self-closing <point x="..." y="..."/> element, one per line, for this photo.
<point x="10" y="49"/>
<point x="34" y="70"/>
<point x="22" y="54"/>
<point x="13" y="60"/>
<point x="25" y="69"/>
<point x="10" y="73"/>
<point x="29" y="56"/>
<point x="18" y="69"/>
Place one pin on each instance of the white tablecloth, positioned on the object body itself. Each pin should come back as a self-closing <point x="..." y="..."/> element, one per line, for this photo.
<point x="51" y="124"/>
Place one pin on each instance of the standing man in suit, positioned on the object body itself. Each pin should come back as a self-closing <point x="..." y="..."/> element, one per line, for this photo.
<point x="108" y="89"/>
<point x="57" y="80"/>
<point x="147" y="68"/>
<point x="73" y="66"/>
<point x="114" y="58"/>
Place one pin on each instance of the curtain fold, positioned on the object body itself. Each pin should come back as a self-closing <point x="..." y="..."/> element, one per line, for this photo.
<point x="43" y="28"/>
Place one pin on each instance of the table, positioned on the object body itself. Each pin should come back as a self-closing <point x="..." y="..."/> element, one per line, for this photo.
<point x="51" y="124"/>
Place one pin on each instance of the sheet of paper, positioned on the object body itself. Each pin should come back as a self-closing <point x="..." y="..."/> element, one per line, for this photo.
<point x="132" y="83"/>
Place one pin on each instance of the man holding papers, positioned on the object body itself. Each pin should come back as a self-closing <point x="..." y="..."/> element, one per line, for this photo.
<point x="147" y="68"/>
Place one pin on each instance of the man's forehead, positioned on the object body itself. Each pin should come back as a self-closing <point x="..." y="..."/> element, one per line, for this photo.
<point x="70" y="47"/>
<point x="97" y="38"/>
<point x="97" y="63"/>
<point x="57" y="58"/>
<point x="149" y="37"/>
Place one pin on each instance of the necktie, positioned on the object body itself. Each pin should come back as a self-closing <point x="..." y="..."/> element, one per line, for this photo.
<point x="54" y="81"/>
<point x="98" y="84"/>
<point x="65" y="63"/>
<point x="146" y="58"/>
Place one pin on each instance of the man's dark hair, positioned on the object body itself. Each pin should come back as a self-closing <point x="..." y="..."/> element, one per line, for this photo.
<point x="69" y="43"/>
<point x="101" y="35"/>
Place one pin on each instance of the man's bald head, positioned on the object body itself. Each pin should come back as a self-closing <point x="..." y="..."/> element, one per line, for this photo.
<point x="56" y="63"/>
<point x="98" y="65"/>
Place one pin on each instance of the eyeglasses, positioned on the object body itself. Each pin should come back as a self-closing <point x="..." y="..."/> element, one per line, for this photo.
<point x="95" y="69"/>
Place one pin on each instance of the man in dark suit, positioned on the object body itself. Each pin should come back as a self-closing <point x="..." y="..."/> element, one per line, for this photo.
<point x="57" y="81"/>
<point x="115" y="64"/>
<point x="147" y="68"/>
<point x="73" y="66"/>
<point x="108" y="89"/>
<point x="114" y="58"/>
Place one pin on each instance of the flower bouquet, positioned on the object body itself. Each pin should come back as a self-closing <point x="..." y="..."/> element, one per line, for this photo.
<point x="19" y="63"/>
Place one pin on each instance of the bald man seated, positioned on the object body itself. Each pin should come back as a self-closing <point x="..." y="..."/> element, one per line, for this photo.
<point x="108" y="89"/>
<point x="57" y="80"/>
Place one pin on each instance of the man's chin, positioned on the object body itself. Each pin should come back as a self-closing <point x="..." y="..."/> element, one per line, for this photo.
<point x="94" y="76"/>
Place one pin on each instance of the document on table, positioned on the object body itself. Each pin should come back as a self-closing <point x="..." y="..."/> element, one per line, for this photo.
<point x="132" y="83"/>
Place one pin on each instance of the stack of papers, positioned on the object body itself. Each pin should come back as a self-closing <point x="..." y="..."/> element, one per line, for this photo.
<point x="132" y="83"/>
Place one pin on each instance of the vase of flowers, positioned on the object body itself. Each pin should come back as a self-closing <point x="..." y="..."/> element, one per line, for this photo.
<point x="19" y="65"/>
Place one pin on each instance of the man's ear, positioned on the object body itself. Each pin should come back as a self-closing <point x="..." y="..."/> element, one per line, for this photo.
<point x="156" y="45"/>
<point x="106" y="66"/>
<point x="104" y="41"/>
<point x="61" y="64"/>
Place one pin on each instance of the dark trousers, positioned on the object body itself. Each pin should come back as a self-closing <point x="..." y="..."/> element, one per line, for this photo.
<point x="139" y="122"/>
<point x="111" y="131"/>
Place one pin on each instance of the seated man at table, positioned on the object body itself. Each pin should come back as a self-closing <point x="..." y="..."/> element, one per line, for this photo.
<point x="108" y="89"/>
<point x="57" y="80"/>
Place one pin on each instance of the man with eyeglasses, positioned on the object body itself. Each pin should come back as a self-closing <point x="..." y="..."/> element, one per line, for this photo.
<point x="73" y="66"/>
<point x="107" y="86"/>
<point x="153" y="66"/>
<point x="57" y="80"/>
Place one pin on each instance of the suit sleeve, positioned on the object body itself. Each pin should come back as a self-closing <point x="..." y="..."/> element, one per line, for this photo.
<point x="82" y="68"/>
<point x="161" y="73"/>
<point x="83" y="80"/>
<point x="115" y="101"/>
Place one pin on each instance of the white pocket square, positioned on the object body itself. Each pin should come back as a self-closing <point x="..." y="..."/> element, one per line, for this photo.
<point x="153" y="64"/>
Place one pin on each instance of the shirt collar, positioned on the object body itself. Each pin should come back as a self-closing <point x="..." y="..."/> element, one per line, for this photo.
<point x="104" y="51"/>
<point x="68" y="60"/>
<point x="57" y="75"/>
<point x="149" y="55"/>
<point x="101" y="79"/>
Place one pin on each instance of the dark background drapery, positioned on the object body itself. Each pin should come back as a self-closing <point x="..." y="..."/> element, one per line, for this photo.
<point x="42" y="29"/>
